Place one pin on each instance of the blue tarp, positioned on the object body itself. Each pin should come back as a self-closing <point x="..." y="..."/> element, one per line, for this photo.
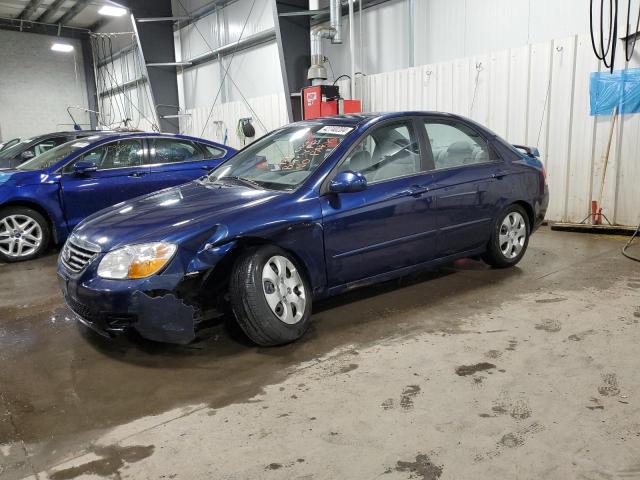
<point x="618" y="89"/>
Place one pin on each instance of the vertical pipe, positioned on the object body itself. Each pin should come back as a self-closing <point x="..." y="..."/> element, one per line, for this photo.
<point x="352" y="50"/>
<point x="335" y="20"/>
<point x="412" y="15"/>
<point x="361" y="62"/>
<point x="91" y="79"/>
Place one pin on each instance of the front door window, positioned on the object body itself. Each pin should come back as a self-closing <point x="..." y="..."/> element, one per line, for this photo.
<point x="389" y="152"/>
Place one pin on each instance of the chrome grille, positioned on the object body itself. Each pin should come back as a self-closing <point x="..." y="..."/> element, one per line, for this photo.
<point x="78" y="253"/>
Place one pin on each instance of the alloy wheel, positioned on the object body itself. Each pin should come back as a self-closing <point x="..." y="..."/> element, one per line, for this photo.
<point x="513" y="234"/>
<point x="20" y="236"/>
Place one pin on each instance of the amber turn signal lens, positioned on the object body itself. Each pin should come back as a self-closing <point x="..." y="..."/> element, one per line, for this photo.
<point x="146" y="268"/>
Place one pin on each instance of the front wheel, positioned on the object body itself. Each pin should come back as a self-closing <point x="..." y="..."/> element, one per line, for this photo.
<point x="24" y="234"/>
<point x="270" y="296"/>
<point x="509" y="238"/>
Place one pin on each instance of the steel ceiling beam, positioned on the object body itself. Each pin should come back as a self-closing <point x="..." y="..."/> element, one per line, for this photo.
<point x="29" y="10"/>
<point x="50" y="12"/>
<point x="79" y="6"/>
<point x="162" y="19"/>
<point x="233" y="47"/>
<point x="33" y="26"/>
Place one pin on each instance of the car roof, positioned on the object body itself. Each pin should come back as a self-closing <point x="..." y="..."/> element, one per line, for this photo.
<point x="115" y="135"/>
<point x="74" y="132"/>
<point x="355" y="119"/>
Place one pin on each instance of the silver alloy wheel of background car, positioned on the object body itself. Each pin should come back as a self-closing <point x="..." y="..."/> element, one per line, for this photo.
<point x="283" y="289"/>
<point x="20" y="236"/>
<point x="513" y="234"/>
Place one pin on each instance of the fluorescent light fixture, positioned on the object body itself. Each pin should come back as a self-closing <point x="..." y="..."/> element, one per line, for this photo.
<point x="111" y="11"/>
<point x="62" y="47"/>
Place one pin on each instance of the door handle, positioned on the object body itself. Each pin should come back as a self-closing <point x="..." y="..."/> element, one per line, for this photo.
<point x="499" y="174"/>
<point x="414" y="191"/>
<point x="204" y="167"/>
<point x="137" y="174"/>
<point x="417" y="191"/>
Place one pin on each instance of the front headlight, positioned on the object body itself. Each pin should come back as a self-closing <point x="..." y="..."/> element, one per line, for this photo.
<point x="136" y="261"/>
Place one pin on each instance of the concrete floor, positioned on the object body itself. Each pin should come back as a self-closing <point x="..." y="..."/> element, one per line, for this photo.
<point x="464" y="372"/>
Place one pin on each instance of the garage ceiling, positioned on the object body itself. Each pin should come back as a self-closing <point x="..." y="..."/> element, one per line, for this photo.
<point x="75" y="13"/>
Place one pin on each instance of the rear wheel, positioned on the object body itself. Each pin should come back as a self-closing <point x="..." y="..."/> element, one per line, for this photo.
<point x="270" y="296"/>
<point x="509" y="238"/>
<point x="24" y="234"/>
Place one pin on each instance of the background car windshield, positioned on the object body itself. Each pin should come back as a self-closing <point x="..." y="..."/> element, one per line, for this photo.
<point x="51" y="157"/>
<point x="9" y="144"/>
<point x="10" y="152"/>
<point x="284" y="159"/>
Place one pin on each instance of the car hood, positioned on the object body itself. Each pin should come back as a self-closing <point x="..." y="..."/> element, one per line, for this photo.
<point x="177" y="214"/>
<point x="22" y="177"/>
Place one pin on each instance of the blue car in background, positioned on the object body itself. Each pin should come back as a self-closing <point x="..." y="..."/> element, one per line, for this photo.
<point x="43" y="199"/>
<point x="308" y="211"/>
<point x="20" y="150"/>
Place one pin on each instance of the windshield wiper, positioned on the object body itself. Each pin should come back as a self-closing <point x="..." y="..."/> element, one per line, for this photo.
<point x="246" y="181"/>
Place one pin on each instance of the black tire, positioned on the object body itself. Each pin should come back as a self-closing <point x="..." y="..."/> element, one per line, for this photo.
<point x="249" y="303"/>
<point x="494" y="255"/>
<point x="44" y="228"/>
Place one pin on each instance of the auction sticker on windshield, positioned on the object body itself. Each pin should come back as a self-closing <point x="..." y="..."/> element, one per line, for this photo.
<point x="335" y="130"/>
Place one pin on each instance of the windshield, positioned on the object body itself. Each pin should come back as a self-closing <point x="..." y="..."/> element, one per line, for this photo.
<point x="10" y="143"/>
<point x="16" y="149"/>
<point x="283" y="159"/>
<point x="51" y="157"/>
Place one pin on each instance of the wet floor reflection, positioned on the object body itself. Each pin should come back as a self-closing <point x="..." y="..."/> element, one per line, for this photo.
<point x="60" y="381"/>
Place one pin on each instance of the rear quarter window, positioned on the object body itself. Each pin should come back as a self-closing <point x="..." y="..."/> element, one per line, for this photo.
<point x="213" y="152"/>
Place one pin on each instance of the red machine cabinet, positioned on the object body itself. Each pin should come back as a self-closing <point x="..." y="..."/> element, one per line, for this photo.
<point x="324" y="101"/>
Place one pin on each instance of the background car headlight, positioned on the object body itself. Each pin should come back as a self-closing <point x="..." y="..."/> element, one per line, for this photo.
<point x="136" y="261"/>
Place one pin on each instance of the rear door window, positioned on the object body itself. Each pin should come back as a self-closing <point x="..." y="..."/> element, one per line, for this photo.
<point x="170" y="150"/>
<point x="455" y="144"/>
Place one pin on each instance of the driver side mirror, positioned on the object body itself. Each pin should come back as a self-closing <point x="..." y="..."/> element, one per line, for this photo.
<point x="348" y="182"/>
<point x="84" y="168"/>
<point x="27" y="155"/>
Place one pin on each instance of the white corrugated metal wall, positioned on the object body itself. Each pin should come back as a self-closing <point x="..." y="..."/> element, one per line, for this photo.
<point x="448" y="29"/>
<point x="269" y="112"/>
<point x="254" y="73"/>
<point x="534" y="95"/>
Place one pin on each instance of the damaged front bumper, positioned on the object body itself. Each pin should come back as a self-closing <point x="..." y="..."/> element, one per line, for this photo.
<point x="154" y="306"/>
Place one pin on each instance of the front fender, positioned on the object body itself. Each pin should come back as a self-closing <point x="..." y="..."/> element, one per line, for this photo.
<point x="305" y="241"/>
<point x="43" y="198"/>
<point x="293" y="223"/>
<point x="209" y="256"/>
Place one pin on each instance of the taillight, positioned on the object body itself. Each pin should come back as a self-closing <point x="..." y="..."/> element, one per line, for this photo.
<point x="544" y="173"/>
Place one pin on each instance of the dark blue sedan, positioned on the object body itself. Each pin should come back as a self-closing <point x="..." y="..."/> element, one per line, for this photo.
<point x="43" y="199"/>
<point x="308" y="211"/>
